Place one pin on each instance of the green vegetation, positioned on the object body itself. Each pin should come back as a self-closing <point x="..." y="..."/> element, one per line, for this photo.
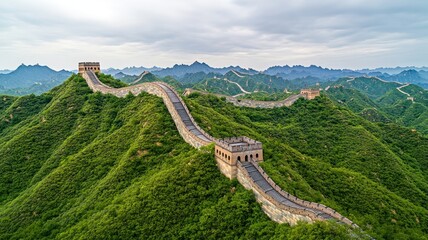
<point x="77" y="164"/>
<point x="382" y="102"/>
<point x="264" y="96"/>
<point x="263" y="87"/>
<point x="218" y="86"/>
<point x="31" y="80"/>
<point x="375" y="174"/>
<point x="110" y="81"/>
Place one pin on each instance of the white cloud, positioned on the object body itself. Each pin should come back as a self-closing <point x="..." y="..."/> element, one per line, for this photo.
<point x="251" y="33"/>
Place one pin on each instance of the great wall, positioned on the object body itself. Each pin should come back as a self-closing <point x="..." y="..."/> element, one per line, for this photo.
<point x="236" y="157"/>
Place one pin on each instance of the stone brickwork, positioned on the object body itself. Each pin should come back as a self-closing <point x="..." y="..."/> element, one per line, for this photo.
<point x="273" y="209"/>
<point x="89" y="66"/>
<point x="228" y="162"/>
<point x="282" y="209"/>
<point x="310" y="93"/>
<point x="229" y="151"/>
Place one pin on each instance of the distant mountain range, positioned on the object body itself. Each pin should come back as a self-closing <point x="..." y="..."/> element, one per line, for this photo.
<point x="130" y="70"/>
<point x="31" y="79"/>
<point x="38" y="79"/>
<point x="299" y="71"/>
<point x="181" y="70"/>
<point x="392" y="71"/>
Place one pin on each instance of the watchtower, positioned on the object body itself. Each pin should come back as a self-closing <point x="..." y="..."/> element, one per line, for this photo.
<point x="229" y="151"/>
<point x="89" y="66"/>
<point x="310" y="93"/>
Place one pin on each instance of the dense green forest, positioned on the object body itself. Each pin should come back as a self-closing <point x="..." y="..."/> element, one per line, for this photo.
<point x="77" y="164"/>
<point x="380" y="101"/>
<point x="376" y="174"/>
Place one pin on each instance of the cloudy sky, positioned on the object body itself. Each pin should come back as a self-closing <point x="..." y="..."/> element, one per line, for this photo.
<point x="251" y="33"/>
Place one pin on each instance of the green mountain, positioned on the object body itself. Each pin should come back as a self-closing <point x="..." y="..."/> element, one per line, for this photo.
<point x="77" y="164"/>
<point x="409" y="76"/>
<point x="375" y="173"/>
<point x="31" y="79"/>
<point x="381" y="101"/>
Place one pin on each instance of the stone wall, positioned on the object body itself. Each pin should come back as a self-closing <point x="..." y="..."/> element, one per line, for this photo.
<point x="310" y="93"/>
<point x="272" y="208"/>
<point x="275" y="210"/>
<point x="253" y="103"/>
<point x="155" y="89"/>
<point x="295" y="199"/>
<point x="228" y="170"/>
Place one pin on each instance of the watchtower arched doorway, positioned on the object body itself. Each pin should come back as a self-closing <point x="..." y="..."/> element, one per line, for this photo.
<point x="246" y="158"/>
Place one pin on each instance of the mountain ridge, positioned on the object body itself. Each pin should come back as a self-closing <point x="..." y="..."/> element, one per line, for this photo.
<point x="27" y="77"/>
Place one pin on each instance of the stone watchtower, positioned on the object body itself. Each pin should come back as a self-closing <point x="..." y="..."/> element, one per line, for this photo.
<point x="229" y="151"/>
<point x="310" y="93"/>
<point x="89" y="66"/>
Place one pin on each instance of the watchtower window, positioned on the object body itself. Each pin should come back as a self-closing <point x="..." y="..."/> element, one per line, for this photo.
<point x="246" y="158"/>
<point x="239" y="158"/>
<point x="257" y="155"/>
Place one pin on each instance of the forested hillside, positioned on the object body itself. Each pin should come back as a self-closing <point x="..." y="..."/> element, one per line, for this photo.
<point x="77" y="164"/>
<point x="382" y="101"/>
<point x="31" y="79"/>
<point x="376" y="174"/>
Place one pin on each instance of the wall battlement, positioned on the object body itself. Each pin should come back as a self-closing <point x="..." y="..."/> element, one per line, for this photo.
<point x="310" y="93"/>
<point x="239" y="144"/>
<point x="230" y="151"/>
<point x="89" y="66"/>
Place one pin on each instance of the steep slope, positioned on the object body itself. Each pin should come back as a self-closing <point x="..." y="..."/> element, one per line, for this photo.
<point x="374" y="174"/>
<point x="372" y="87"/>
<point x="358" y="103"/>
<point x="82" y="164"/>
<point x="378" y="100"/>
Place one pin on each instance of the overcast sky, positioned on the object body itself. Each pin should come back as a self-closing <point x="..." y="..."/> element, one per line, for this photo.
<point x="251" y="33"/>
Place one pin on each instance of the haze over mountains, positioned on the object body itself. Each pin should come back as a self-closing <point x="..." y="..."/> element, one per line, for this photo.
<point x="38" y="79"/>
<point x="28" y="79"/>
<point x="401" y="74"/>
